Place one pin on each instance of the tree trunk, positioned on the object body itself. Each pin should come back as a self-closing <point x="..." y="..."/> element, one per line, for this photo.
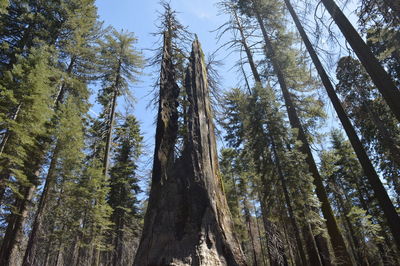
<point x="13" y="236"/>
<point x="312" y="248"/>
<point x="313" y="253"/>
<point x="336" y="237"/>
<point x="373" y="178"/>
<point x="187" y="220"/>
<point x="246" y="48"/>
<point x="111" y="121"/>
<point x="379" y="76"/>
<point x="247" y="217"/>
<point x="275" y="247"/>
<point x="290" y="208"/>
<point x="30" y="252"/>
<point x="323" y="249"/>
<point x="259" y="237"/>
<point x="7" y="133"/>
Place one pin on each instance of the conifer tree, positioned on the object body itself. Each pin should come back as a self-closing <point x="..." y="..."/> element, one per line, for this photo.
<point x="120" y="64"/>
<point x="124" y="186"/>
<point x="368" y="168"/>
<point x="30" y="80"/>
<point x="371" y="117"/>
<point x="379" y="76"/>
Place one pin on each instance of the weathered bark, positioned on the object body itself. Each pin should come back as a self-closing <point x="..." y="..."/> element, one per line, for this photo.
<point x="379" y="190"/>
<point x="379" y="76"/>
<point x="187" y="221"/>
<point x="336" y="237"/>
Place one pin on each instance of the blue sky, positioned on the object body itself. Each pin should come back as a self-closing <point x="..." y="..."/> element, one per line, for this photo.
<point x="202" y="17"/>
<point x="140" y="17"/>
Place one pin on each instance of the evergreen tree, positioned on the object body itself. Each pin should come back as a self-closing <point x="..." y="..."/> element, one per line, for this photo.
<point x="120" y="64"/>
<point x="124" y="187"/>
<point x="357" y="145"/>
<point x="284" y="61"/>
<point x="371" y="117"/>
<point x="32" y="88"/>
<point x="379" y="76"/>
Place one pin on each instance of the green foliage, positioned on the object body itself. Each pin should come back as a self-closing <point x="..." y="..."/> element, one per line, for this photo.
<point x="120" y="62"/>
<point x="124" y="182"/>
<point x="366" y="230"/>
<point x="371" y="116"/>
<point x="25" y="109"/>
<point x="346" y="186"/>
<point x="3" y="6"/>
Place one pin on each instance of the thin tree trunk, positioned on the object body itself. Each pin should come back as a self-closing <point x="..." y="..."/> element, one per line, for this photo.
<point x="247" y="50"/>
<point x="294" y="259"/>
<point x="312" y="248"/>
<point x="313" y="255"/>
<point x="247" y="217"/>
<point x="13" y="236"/>
<point x="265" y="224"/>
<point x="259" y="237"/>
<point x="117" y="258"/>
<point x="275" y="247"/>
<point x="75" y="252"/>
<point x="379" y="76"/>
<point x="290" y="209"/>
<point x="7" y="133"/>
<point x="323" y="248"/>
<point x="336" y="237"/>
<point x="111" y="121"/>
<point x="346" y="224"/>
<point x="59" y="260"/>
<point x="30" y="252"/>
<point x="5" y="173"/>
<point x="379" y="190"/>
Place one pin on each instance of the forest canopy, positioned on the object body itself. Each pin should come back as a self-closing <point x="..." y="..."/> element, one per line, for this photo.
<point x="271" y="134"/>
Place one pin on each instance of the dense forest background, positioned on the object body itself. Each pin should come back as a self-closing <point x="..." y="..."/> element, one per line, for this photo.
<point x="305" y="101"/>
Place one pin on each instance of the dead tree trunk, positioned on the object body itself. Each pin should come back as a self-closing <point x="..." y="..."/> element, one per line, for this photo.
<point x="187" y="220"/>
